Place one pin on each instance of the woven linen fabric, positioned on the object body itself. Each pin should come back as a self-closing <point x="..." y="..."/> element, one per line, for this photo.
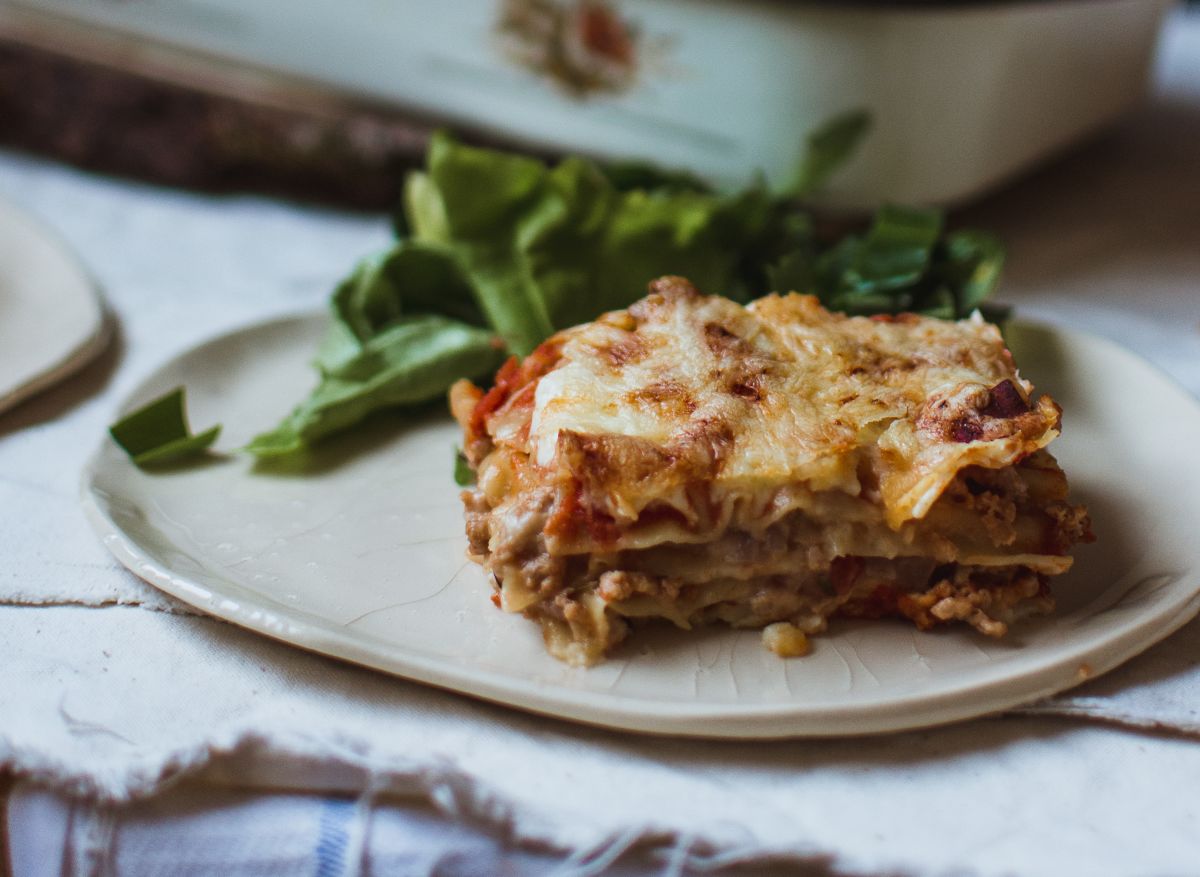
<point x="202" y="830"/>
<point x="140" y="699"/>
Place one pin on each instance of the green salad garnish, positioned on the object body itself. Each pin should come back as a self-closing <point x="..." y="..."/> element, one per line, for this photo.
<point x="496" y="251"/>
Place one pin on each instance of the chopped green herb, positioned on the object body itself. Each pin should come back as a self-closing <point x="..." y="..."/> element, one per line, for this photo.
<point x="464" y="475"/>
<point x="158" y="431"/>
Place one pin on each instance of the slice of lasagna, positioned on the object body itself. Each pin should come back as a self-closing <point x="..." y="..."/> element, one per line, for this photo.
<point x="775" y="464"/>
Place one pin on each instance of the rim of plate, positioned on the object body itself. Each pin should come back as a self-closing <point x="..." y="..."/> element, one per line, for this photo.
<point x="88" y="347"/>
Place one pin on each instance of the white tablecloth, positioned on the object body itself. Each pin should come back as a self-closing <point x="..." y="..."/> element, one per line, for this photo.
<point x="113" y="690"/>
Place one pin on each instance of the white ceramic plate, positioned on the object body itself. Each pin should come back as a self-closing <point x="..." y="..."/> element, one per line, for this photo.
<point x="362" y="558"/>
<point x="52" y="322"/>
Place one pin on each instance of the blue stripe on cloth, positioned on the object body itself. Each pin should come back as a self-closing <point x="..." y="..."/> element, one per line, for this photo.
<point x="334" y="835"/>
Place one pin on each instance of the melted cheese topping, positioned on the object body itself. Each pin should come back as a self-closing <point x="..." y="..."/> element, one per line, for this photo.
<point x="684" y="389"/>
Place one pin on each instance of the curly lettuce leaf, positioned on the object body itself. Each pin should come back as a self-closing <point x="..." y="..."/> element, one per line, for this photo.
<point x="548" y="247"/>
<point x="405" y="280"/>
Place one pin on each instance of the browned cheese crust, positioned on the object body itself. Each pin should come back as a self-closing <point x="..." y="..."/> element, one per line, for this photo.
<point x="698" y="461"/>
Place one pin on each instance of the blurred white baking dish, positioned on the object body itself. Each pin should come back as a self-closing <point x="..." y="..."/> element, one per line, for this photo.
<point x="964" y="95"/>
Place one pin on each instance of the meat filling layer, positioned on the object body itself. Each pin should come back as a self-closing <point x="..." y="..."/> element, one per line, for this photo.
<point x="982" y="556"/>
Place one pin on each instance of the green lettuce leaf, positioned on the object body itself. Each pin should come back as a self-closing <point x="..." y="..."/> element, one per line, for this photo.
<point x="408" y="279"/>
<point x="828" y="148"/>
<point x="904" y="262"/>
<point x="158" y="431"/>
<point x="971" y="263"/>
<point x="548" y="247"/>
<point x="896" y="251"/>
<point x="413" y="360"/>
<point x="628" y="176"/>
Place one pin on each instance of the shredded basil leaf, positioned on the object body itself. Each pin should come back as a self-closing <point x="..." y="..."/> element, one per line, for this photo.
<point x="158" y="431"/>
